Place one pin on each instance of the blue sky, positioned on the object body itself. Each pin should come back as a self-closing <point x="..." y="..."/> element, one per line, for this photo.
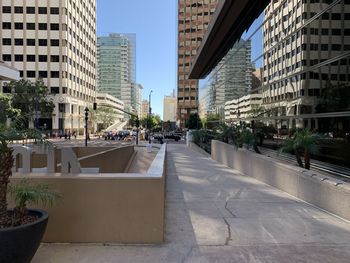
<point x="154" y="23"/>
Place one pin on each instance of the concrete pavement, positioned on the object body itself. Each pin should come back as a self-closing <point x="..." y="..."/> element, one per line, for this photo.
<point x="215" y="214"/>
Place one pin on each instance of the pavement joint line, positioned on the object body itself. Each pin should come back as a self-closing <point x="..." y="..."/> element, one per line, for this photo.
<point x="229" y="234"/>
<point x="188" y="254"/>
<point x="229" y="210"/>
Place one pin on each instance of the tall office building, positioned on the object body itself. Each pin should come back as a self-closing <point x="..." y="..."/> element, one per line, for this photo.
<point x="139" y="89"/>
<point x="193" y="19"/>
<point x="116" y="67"/>
<point x="56" y="41"/>
<point x="232" y="77"/>
<point x="144" y="108"/>
<point x="305" y="52"/>
<point x="169" y="108"/>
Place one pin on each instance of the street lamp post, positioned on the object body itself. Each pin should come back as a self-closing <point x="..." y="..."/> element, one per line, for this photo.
<point x="86" y="125"/>
<point x="149" y="118"/>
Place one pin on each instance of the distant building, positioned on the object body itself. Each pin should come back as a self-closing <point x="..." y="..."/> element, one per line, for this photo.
<point x="107" y="100"/>
<point x="232" y="77"/>
<point x="242" y="108"/>
<point x="193" y="18"/>
<point x="203" y="108"/>
<point x="257" y="79"/>
<point x="139" y="89"/>
<point x="169" y="108"/>
<point x="116" y="67"/>
<point x="144" y="108"/>
<point x="54" y="41"/>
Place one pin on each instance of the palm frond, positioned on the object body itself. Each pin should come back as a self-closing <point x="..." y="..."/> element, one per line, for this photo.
<point x="25" y="193"/>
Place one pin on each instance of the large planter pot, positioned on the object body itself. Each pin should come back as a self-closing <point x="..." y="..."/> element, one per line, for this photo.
<point x="19" y="244"/>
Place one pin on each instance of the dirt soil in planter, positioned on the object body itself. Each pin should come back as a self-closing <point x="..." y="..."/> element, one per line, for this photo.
<point x="7" y="222"/>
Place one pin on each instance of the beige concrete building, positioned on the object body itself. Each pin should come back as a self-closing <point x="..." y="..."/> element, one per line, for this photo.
<point x="242" y="108"/>
<point x="144" y="108"/>
<point x="300" y="61"/>
<point x="193" y="20"/>
<point x="139" y="89"/>
<point x="8" y="73"/>
<point x="104" y="99"/>
<point x="54" y="40"/>
<point x="169" y="108"/>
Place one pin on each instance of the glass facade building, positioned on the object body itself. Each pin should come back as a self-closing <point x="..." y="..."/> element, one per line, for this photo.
<point x="116" y="67"/>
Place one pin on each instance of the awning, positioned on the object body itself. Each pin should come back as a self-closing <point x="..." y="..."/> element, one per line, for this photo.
<point x="8" y="73"/>
<point x="230" y="20"/>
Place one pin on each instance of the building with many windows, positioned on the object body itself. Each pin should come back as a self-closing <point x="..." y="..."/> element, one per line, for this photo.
<point x="116" y="67"/>
<point x="107" y="100"/>
<point x="55" y="41"/>
<point x="193" y="20"/>
<point x="231" y="79"/>
<point x="306" y="54"/>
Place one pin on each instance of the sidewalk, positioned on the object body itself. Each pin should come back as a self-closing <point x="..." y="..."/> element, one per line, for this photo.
<point x="214" y="214"/>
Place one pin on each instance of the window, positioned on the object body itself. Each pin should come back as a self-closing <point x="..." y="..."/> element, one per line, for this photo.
<point x="18" y="25"/>
<point x="18" y="42"/>
<point x="6" y="57"/>
<point x="42" y="74"/>
<point x="42" y="26"/>
<point x="42" y="10"/>
<point x="55" y="42"/>
<point x="30" y="74"/>
<point x="42" y="58"/>
<point x="18" y="57"/>
<point x="54" y="11"/>
<point x="30" y="10"/>
<point x="6" y="25"/>
<point x="30" y="26"/>
<point x="55" y="74"/>
<point x="42" y="42"/>
<point x="6" y="41"/>
<point x="55" y="58"/>
<point x="30" y="42"/>
<point x="19" y="9"/>
<point x="6" y="9"/>
<point x="30" y="58"/>
<point x="336" y="16"/>
<point x="55" y="27"/>
<point x="55" y="90"/>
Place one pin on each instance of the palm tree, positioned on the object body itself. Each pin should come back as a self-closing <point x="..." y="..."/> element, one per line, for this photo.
<point x="302" y="143"/>
<point x="6" y="163"/>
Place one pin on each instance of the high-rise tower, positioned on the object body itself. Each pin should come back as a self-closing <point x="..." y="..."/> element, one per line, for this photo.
<point x="54" y="40"/>
<point x="193" y="20"/>
<point x="116" y="67"/>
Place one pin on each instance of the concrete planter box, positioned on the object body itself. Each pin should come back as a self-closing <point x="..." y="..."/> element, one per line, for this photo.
<point x="125" y="208"/>
<point x="327" y="193"/>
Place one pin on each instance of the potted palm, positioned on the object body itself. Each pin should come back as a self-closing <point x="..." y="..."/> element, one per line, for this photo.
<point x="21" y="229"/>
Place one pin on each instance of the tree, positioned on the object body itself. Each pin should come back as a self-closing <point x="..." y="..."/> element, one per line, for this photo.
<point x="193" y="122"/>
<point x="104" y="115"/>
<point x="32" y="99"/>
<point x="302" y="143"/>
<point x="6" y="109"/>
<point x="212" y="120"/>
<point x="249" y="138"/>
<point x="154" y="121"/>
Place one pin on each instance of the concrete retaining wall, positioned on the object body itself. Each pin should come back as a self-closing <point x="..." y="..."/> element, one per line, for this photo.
<point x="326" y="193"/>
<point x="107" y="208"/>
